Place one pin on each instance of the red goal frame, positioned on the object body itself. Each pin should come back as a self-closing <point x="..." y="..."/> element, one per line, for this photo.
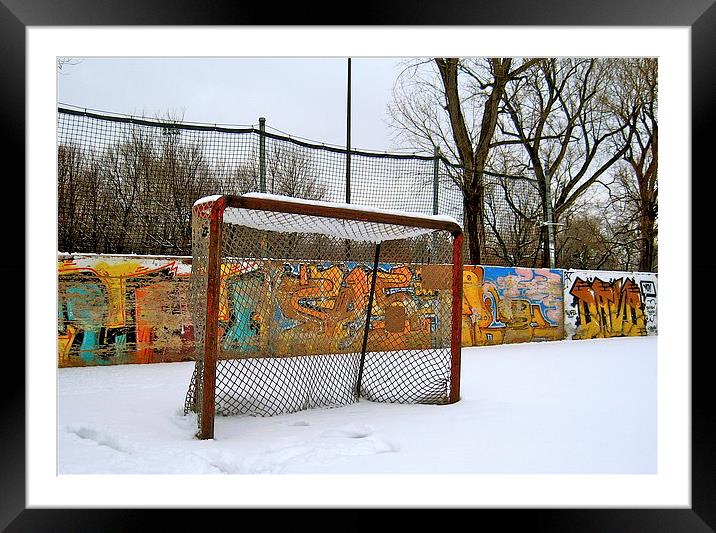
<point x="214" y="207"/>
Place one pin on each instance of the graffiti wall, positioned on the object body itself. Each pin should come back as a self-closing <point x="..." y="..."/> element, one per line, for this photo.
<point x="134" y="309"/>
<point x="508" y="305"/>
<point x="128" y="309"/>
<point x="601" y="304"/>
<point x="318" y="308"/>
<point x="123" y="309"/>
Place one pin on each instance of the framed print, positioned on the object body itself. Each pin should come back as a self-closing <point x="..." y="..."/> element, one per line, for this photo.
<point x="106" y="30"/>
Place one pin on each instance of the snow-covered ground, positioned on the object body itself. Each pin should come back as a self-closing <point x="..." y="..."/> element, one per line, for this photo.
<point x="567" y="407"/>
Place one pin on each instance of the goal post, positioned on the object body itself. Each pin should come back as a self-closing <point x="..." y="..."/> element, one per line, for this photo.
<point x="299" y="304"/>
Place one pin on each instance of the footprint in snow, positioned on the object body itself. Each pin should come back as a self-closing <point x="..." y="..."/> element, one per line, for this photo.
<point x="352" y="431"/>
<point x="299" y="423"/>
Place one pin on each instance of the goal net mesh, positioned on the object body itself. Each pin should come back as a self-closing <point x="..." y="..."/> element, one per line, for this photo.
<point x="294" y="292"/>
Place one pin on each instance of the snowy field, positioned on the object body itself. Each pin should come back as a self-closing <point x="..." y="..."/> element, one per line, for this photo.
<point x="566" y="407"/>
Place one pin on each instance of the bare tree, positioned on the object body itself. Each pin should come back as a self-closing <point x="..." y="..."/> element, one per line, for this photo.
<point x="82" y="201"/>
<point x="129" y="168"/>
<point x="458" y="112"/>
<point x="512" y="215"/>
<point x="517" y="230"/>
<point x="182" y="175"/>
<point x="64" y="62"/>
<point x="70" y="165"/>
<point x="290" y="172"/>
<point x="570" y="138"/>
<point x="587" y="244"/>
<point x="634" y="101"/>
<point x="135" y="193"/>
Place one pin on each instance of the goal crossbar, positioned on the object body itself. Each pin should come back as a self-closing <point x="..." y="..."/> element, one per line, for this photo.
<point x="373" y="224"/>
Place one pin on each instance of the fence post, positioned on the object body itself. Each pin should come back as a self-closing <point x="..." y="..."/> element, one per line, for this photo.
<point x="262" y="154"/>
<point x="436" y="180"/>
<point x="436" y="188"/>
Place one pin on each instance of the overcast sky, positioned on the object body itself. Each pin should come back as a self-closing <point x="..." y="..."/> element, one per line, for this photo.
<point x="303" y="97"/>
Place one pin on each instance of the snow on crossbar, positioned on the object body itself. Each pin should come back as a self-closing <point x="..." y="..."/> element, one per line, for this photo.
<point x="348" y="221"/>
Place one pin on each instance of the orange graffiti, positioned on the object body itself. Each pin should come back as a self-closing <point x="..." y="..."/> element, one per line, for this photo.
<point x="102" y="304"/>
<point x="494" y="313"/>
<point x="608" y="308"/>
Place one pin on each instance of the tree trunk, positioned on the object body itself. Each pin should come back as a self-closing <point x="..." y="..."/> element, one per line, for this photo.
<point x="473" y="207"/>
<point x="544" y="229"/>
<point x="647" y="251"/>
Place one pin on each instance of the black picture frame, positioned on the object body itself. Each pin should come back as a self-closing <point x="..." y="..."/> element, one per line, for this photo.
<point x="700" y="16"/>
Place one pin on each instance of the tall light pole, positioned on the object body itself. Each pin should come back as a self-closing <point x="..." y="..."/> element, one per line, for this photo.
<point x="348" y="137"/>
<point x="549" y="222"/>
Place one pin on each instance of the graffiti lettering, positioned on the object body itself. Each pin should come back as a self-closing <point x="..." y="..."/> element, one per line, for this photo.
<point x="611" y="305"/>
<point x="315" y="308"/>
<point x="506" y="305"/>
<point x="122" y="311"/>
<point x="125" y="310"/>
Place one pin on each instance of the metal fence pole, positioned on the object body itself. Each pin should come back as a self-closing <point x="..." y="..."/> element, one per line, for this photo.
<point x="262" y="154"/>
<point x="436" y="187"/>
<point x="436" y="180"/>
<point x="551" y="249"/>
<point x="348" y="136"/>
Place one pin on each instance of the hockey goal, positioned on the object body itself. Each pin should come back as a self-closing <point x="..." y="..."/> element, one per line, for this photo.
<point x="300" y="304"/>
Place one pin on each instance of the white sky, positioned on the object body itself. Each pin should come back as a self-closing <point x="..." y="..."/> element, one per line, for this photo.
<point x="303" y="97"/>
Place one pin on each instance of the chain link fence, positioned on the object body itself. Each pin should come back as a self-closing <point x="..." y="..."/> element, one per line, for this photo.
<point x="126" y="185"/>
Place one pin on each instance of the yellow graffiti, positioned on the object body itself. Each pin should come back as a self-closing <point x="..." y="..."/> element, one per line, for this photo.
<point x="118" y="309"/>
<point x="227" y="271"/>
<point x="490" y="317"/>
<point x="114" y="277"/>
<point x="608" y="309"/>
<point x="137" y="306"/>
